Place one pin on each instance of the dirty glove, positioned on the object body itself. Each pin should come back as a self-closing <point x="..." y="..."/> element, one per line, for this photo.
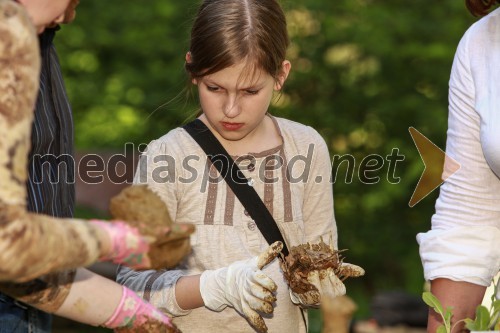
<point x="325" y="282"/>
<point x="128" y="246"/>
<point x="314" y="270"/>
<point x="243" y="286"/>
<point x="133" y="314"/>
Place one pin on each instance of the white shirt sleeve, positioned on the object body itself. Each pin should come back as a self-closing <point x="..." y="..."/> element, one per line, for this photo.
<point x="464" y="243"/>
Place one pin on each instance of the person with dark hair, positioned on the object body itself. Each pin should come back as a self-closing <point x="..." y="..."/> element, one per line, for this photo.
<point x="40" y="247"/>
<point x="480" y="7"/>
<point x="237" y="61"/>
<point x="461" y="253"/>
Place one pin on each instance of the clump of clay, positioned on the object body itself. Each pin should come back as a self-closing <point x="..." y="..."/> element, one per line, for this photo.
<point x="150" y="326"/>
<point x="140" y="207"/>
<point x="305" y="258"/>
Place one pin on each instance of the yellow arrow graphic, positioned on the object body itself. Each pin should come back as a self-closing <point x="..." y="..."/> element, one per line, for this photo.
<point x="438" y="166"/>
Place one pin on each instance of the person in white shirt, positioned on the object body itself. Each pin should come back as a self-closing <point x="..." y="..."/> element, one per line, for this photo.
<point x="461" y="253"/>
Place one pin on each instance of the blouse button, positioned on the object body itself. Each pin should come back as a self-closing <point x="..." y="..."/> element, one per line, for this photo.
<point x="246" y="213"/>
<point x="251" y="226"/>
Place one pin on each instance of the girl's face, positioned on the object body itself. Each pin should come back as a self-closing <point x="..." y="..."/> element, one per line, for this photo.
<point x="45" y="13"/>
<point x="235" y="104"/>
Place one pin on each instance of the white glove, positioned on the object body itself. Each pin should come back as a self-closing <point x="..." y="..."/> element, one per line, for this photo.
<point x="243" y="286"/>
<point x="327" y="283"/>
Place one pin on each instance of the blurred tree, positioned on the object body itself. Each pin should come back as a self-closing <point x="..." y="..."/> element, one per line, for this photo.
<point x="363" y="71"/>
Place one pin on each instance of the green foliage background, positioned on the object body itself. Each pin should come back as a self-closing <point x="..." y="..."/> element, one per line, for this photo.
<point x="363" y="71"/>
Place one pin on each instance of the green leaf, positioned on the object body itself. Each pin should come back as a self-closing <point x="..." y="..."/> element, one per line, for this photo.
<point x="494" y="314"/>
<point x="495" y="320"/>
<point x="448" y="314"/>
<point x="433" y="302"/>
<point x="470" y="324"/>
<point x="495" y="292"/>
<point x="496" y="305"/>
<point x="441" y="329"/>
<point x="482" y="318"/>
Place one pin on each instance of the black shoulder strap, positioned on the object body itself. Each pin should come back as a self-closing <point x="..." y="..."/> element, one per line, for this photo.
<point x="236" y="181"/>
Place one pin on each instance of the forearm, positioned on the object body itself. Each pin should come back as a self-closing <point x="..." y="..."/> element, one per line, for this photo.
<point x="462" y="296"/>
<point x="33" y="245"/>
<point x="78" y="296"/>
<point x="85" y="302"/>
<point x="46" y="293"/>
<point x="173" y="291"/>
<point x="70" y="294"/>
<point x="187" y="292"/>
<point x="119" y="308"/>
<point x="156" y="287"/>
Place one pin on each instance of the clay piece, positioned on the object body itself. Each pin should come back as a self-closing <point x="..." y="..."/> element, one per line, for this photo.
<point x="140" y="207"/>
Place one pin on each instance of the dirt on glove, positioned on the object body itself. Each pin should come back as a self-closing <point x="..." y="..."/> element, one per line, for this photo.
<point x="306" y="258"/>
<point x="150" y="326"/>
<point x="140" y="207"/>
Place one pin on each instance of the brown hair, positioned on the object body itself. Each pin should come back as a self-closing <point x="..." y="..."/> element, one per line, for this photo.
<point x="226" y="32"/>
<point x="480" y="7"/>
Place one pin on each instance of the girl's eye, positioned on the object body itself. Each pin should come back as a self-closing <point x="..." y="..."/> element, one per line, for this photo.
<point x="252" y="92"/>
<point x="212" y="88"/>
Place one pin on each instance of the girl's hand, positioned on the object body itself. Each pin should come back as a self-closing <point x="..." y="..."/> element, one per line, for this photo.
<point x="243" y="286"/>
<point x="325" y="283"/>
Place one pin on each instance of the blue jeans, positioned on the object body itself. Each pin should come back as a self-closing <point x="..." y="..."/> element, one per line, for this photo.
<point x="16" y="317"/>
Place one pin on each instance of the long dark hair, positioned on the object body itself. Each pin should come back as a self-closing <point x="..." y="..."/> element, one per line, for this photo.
<point x="480" y="7"/>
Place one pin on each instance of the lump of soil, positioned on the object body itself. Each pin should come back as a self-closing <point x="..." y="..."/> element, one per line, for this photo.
<point x="140" y="207"/>
<point x="308" y="257"/>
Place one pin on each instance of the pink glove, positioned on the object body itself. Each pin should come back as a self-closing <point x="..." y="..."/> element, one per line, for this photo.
<point x="134" y="312"/>
<point x="129" y="247"/>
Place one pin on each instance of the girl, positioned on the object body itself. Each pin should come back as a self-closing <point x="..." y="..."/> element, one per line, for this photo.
<point x="237" y="61"/>
<point x="31" y="244"/>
